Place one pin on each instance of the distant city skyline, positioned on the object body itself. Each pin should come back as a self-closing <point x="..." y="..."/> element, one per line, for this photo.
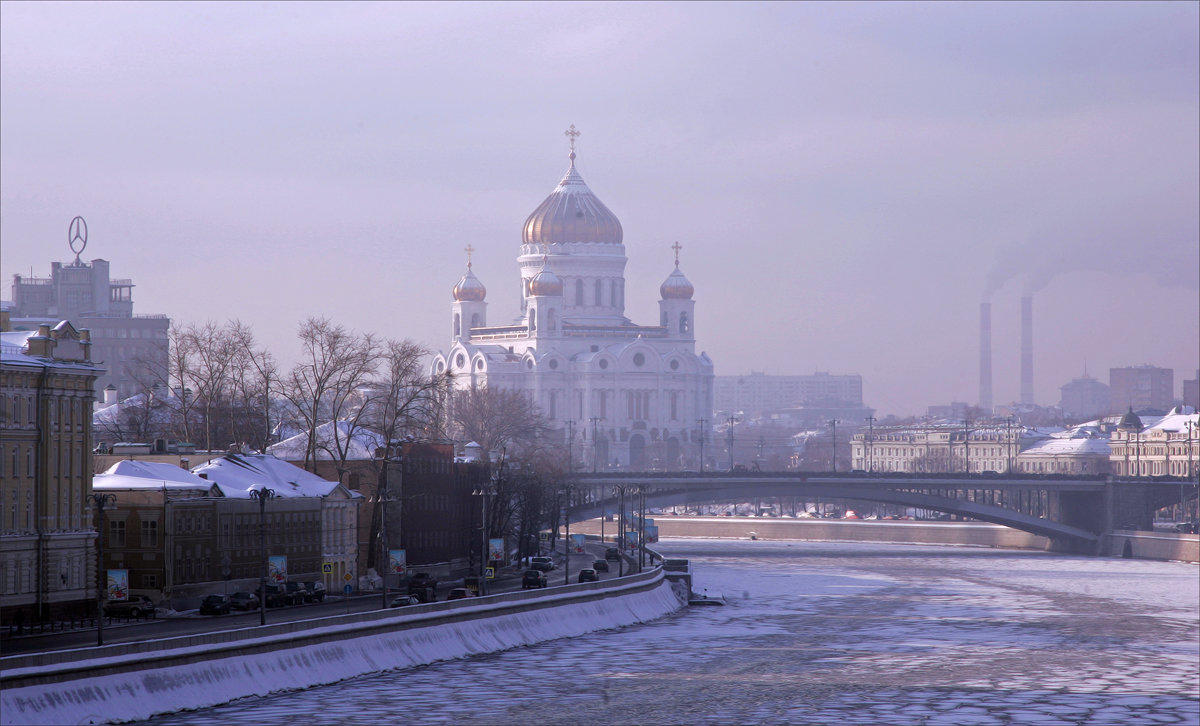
<point x="847" y="181"/>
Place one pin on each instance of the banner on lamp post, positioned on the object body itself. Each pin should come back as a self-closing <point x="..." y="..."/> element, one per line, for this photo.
<point x="651" y="534"/>
<point x="118" y="585"/>
<point x="398" y="561"/>
<point x="577" y="541"/>
<point x="496" y="549"/>
<point x="277" y="568"/>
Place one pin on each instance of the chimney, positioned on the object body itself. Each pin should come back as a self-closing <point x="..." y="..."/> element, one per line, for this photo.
<point x="1027" y="349"/>
<point x="985" y="356"/>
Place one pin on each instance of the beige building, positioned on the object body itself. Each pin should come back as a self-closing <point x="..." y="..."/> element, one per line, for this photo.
<point x="1156" y="445"/>
<point x="47" y="555"/>
<point x="936" y="448"/>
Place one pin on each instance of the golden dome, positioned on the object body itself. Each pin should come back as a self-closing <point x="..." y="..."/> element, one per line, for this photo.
<point x="676" y="286"/>
<point x="572" y="213"/>
<point x="469" y="288"/>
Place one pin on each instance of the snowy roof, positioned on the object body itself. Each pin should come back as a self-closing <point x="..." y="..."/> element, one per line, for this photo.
<point x="128" y="474"/>
<point x="1058" y="446"/>
<point x="1173" y="421"/>
<point x="14" y="351"/>
<point x="360" y="443"/>
<point x="236" y="475"/>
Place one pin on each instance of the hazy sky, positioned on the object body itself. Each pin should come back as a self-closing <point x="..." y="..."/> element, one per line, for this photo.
<point x="848" y="181"/>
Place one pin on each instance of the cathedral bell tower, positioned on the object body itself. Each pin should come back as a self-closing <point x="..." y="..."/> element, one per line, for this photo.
<point x="676" y="308"/>
<point x="469" y="309"/>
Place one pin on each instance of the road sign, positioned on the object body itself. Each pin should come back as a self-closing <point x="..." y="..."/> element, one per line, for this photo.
<point x="347" y="589"/>
<point x="490" y="573"/>
<point x="327" y="568"/>
<point x="347" y="577"/>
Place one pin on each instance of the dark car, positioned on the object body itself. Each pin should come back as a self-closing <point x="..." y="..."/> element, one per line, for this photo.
<point x="612" y="553"/>
<point x="588" y="575"/>
<point x="459" y="593"/>
<point x="533" y="578"/>
<point x="295" y="593"/>
<point x="600" y="565"/>
<point x="276" y="596"/>
<point x="215" y="605"/>
<point x="135" y="607"/>
<point x="314" y="592"/>
<point x="243" y="601"/>
<point x="404" y="600"/>
<point x="424" y="586"/>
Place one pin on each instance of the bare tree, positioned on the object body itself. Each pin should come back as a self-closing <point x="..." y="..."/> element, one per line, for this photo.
<point x="324" y="385"/>
<point x="499" y="418"/>
<point x="254" y="377"/>
<point x="179" y="367"/>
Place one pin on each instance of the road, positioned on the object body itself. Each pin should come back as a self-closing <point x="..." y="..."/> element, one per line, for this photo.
<point x="191" y="622"/>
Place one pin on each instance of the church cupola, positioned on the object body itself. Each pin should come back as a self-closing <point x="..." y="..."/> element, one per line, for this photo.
<point x="545" y="303"/>
<point x="469" y="309"/>
<point x="676" y="308"/>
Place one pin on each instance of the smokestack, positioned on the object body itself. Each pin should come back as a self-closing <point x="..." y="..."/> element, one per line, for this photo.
<point x="985" y="356"/>
<point x="1027" y="349"/>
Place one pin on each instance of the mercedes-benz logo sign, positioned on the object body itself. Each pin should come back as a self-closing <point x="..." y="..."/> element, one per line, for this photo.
<point x="77" y="232"/>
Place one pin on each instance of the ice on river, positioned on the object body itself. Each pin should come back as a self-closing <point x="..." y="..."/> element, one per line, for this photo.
<point x="830" y="633"/>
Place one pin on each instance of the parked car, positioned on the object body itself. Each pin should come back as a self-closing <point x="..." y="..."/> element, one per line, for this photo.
<point x="215" y="605"/>
<point x="545" y="564"/>
<point x="243" y="601"/>
<point x="404" y="600"/>
<point x="135" y="607"/>
<point x="459" y="593"/>
<point x="276" y="596"/>
<point x="612" y="553"/>
<point x="533" y="578"/>
<point x="600" y="565"/>
<point x="314" y="592"/>
<point x="295" y="593"/>
<point x="424" y="586"/>
<point x="588" y="575"/>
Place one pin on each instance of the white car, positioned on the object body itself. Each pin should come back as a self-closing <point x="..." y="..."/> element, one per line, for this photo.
<point x="545" y="564"/>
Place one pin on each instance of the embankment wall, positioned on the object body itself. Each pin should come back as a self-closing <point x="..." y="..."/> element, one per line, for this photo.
<point x="130" y="682"/>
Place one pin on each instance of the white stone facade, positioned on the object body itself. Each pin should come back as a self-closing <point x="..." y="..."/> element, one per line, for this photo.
<point x="637" y="395"/>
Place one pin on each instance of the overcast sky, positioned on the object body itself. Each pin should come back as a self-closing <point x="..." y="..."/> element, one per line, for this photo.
<point x="848" y="181"/>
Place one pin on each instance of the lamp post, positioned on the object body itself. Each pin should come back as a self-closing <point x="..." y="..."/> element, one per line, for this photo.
<point x="595" y="442"/>
<point x="262" y="495"/>
<point x="382" y="499"/>
<point x="729" y="438"/>
<point x="482" y="491"/>
<point x="701" y="422"/>
<point x="833" y="422"/>
<point x="566" y="493"/>
<point x="570" y="445"/>
<point x="619" y="490"/>
<point x="871" y="443"/>
<point x="967" y="445"/>
<point x="101" y="501"/>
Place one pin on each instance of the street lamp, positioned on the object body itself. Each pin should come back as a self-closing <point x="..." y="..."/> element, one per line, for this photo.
<point x="729" y="438"/>
<point x="566" y="493"/>
<point x="262" y="495"/>
<point x="833" y="422"/>
<point x="483" y="491"/>
<point x="101" y="501"/>
<point x="871" y="443"/>
<point x="382" y="499"/>
<point x="701" y="422"/>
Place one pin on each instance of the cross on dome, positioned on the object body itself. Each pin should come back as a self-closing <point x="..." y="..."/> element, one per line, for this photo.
<point x="572" y="134"/>
<point x="677" y="247"/>
<point x="471" y="250"/>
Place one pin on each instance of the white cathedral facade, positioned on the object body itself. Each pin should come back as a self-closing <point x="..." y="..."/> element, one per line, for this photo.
<point x="630" y="396"/>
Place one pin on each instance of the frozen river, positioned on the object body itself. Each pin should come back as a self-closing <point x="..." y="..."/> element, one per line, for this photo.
<point x="828" y="633"/>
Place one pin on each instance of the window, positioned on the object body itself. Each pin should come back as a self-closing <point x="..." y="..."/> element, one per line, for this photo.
<point x="684" y="325"/>
<point x="456" y="325"/>
<point x="579" y="292"/>
<point x="597" y="302"/>
<point x="149" y="534"/>
<point x="553" y="403"/>
<point x="116" y="533"/>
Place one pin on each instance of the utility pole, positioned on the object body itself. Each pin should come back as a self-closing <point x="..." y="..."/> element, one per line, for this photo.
<point x="967" y="445"/>
<point x="570" y="445"/>
<point x="262" y="495"/>
<point x="702" y="422"/>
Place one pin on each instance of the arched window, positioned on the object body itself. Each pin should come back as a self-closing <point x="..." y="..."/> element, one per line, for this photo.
<point x="662" y="319"/>
<point x="612" y="292"/>
<point x="456" y="325"/>
<point x="532" y="319"/>
<point x="550" y="322"/>
<point x="684" y="325"/>
<point x="597" y="303"/>
<point x="579" y="292"/>
<point x="474" y="320"/>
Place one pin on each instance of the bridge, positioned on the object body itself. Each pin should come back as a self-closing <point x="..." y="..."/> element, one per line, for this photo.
<point x="1074" y="512"/>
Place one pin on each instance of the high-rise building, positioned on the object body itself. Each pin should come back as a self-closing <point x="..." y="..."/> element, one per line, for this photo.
<point x="1142" y="388"/>
<point x="1084" y="398"/>
<point x="1191" y="392"/>
<point x="638" y="395"/>
<point x="758" y="394"/>
<point x="132" y="348"/>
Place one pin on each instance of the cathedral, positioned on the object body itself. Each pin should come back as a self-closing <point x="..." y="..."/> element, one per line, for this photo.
<point x="627" y="396"/>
